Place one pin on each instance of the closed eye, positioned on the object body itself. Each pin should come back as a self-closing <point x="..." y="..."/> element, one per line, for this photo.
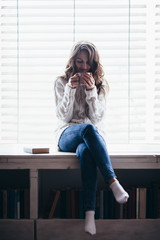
<point x="78" y="61"/>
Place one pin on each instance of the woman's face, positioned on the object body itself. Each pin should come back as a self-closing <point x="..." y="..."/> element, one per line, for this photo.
<point x="81" y="62"/>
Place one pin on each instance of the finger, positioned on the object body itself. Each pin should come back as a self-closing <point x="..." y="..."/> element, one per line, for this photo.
<point x="75" y="79"/>
<point x="74" y="82"/>
<point x="76" y="76"/>
<point x="86" y="77"/>
<point x="88" y="81"/>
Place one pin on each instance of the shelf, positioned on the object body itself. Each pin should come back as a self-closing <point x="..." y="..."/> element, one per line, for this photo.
<point x="106" y="229"/>
<point x="61" y="229"/>
<point x="60" y="160"/>
<point x="16" y="229"/>
<point x="41" y="171"/>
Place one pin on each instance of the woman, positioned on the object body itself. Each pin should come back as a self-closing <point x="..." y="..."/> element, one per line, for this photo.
<point x="80" y="96"/>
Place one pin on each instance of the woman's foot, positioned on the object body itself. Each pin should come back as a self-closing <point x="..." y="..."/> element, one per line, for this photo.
<point x="119" y="193"/>
<point x="90" y="226"/>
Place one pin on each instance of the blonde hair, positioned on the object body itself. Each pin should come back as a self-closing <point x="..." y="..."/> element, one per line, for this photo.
<point x="94" y="62"/>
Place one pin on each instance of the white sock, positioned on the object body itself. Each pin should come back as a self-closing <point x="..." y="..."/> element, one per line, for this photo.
<point x="90" y="226"/>
<point x="119" y="193"/>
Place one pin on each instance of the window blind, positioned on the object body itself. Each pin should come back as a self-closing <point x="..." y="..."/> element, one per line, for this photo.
<point x="36" y="39"/>
<point x="143" y="74"/>
<point x="156" y="90"/>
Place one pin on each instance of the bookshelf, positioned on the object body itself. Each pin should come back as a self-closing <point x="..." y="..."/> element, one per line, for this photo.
<point x="41" y="172"/>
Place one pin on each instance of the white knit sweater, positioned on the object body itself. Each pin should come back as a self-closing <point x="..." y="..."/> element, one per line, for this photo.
<point x="77" y="105"/>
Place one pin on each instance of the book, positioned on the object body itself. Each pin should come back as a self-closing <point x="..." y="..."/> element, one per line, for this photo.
<point x="158" y="210"/>
<point x="26" y="203"/>
<point x="142" y="202"/>
<point x="125" y="210"/>
<point x="111" y="205"/>
<point x="18" y="203"/>
<point x="120" y="211"/>
<point x="155" y="200"/>
<point x="129" y="204"/>
<point x="101" y="205"/>
<point x="51" y="204"/>
<point x="97" y="212"/>
<point x="76" y="203"/>
<point x="1" y="203"/>
<point x="63" y="204"/>
<point x="36" y="150"/>
<point x="73" y="203"/>
<point x="15" y="203"/>
<point x="10" y="203"/>
<point x="108" y="205"/>
<point x="21" y="203"/>
<point x="149" y="212"/>
<point x="68" y="204"/>
<point x="105" y="204"/>
<point x="54" y="204"/>
<point x="117" y="210"/>
<point x="80" y="200"/>
<point x="133" y="202"/>
<point x="137" y="203"/>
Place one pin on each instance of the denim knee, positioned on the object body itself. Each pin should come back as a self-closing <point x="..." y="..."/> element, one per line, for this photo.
<point x="89" y="128"/>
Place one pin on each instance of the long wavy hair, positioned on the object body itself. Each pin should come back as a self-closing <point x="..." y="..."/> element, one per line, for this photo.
<point x="94" y="62"/>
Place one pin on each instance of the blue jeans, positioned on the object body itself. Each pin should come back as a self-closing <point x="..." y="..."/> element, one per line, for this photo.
<point x="91" y="151"/>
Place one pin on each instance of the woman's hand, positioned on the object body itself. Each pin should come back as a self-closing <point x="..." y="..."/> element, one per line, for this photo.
<point x="74" y="81"/>
<point x="88" y="81"/>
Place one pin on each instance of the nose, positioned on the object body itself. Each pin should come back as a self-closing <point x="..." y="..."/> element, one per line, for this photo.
<point x="84" y="66"/>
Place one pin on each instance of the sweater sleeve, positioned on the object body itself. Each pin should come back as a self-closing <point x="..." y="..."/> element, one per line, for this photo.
<point x="64" y="99"/>
<point x="96" y="105"/>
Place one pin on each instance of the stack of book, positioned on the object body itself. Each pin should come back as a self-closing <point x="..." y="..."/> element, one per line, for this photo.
<point x="36" y="149"/>
<point x="68" y="203"/>
<point x="14" y="203"/>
